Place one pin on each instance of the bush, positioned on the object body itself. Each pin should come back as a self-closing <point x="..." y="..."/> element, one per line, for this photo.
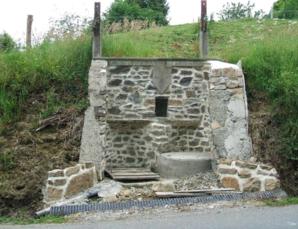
<point x="6" y="42"/>
<point x="232" y="11"/>
<point x="286" y="9"/>
<point x="135" y="10"/>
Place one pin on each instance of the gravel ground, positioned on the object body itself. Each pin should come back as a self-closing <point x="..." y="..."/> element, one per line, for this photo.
<point x="199" y="181"/>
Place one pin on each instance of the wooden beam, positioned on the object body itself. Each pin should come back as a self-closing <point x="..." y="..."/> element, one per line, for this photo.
<point x="29" y="31"/>
<point x="96" y="47"/>
<point x="204" y="30"/>
<point x="207" y="190"/>
<point x="190" y="193"/>
<point x="177" y="195"/>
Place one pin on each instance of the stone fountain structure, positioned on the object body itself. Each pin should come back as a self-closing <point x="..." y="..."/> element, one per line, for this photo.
<point x="172" y="115"/>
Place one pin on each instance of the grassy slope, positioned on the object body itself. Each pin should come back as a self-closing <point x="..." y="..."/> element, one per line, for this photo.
<point x="227" y="40"/>
<point x="62" y="67"/>
<point x="37" y="84"/>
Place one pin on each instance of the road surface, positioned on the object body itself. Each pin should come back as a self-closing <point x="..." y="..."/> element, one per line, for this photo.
<point x="224" y="218"/>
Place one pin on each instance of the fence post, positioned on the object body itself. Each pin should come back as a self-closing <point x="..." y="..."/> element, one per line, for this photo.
<point x="204" y="32"/>
<point x="96" y="47"/>
<point x="29" y="31"/>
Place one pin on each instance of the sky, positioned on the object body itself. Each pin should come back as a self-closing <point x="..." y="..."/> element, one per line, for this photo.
<point x="13" y="13"/>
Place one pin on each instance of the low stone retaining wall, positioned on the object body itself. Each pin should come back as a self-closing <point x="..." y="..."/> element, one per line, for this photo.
<point x="66" y="183"/>
<point x="247" y="176"/>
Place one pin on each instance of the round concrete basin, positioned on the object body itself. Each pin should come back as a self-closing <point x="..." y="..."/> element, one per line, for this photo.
<point x="181" y="164"/>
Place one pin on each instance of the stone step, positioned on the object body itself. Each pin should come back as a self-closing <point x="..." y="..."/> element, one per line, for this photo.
<point x="182" y="164"/>
<point x="132" y="174"/>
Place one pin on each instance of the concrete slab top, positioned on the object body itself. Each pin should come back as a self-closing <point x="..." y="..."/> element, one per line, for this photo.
<point x="187" y="156"/>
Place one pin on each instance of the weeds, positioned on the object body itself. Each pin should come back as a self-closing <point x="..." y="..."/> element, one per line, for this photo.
<point x="30" y="220"/>
<point x="6" y="161"/>
<point x="282" y="202"/>
<point x="272" y="67"/>
<point x="57" y="70"/>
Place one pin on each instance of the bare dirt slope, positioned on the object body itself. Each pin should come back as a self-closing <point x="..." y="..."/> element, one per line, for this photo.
<point x="266" y="146"/>
<point x="27" y="154"/>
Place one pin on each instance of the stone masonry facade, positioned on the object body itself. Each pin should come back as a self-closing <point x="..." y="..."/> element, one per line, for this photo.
<point x="247" y="176"/>
<point x="204" y="103"/>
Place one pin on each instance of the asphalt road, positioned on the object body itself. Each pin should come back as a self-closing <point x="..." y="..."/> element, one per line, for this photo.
<point x="226" y="218"/>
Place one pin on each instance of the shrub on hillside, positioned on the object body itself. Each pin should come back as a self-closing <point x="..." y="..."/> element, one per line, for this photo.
<point x="6" y="42"/>
<point x="151" y="10"/>
<point x="286" y="9"/>
<point x="234" y="11"/>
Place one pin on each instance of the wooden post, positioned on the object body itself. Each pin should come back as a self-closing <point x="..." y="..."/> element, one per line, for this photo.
<point x="96" y="48"/>
<point x="29" y="31"/>
<point x="204" y="32"/>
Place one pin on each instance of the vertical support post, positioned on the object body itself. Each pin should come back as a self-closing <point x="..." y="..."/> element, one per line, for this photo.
<point x="204" y="32"/>
<point x="285" y="10"/>
<point x="96" y="47"/>
<point x="29" y="31"/>
<point x="272" y="12"/>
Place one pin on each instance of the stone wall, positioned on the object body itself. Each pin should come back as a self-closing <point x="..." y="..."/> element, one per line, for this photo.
<point x="229" y="111"/>
<point x="131" y="91"/>
<point x="247" y="176"/>
<point x="66" y="183"/>
<point x="93" y="142"/>
<point x="207" y="111"/>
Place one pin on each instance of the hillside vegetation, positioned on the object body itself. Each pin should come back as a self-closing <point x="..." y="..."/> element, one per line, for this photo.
<point x="51" y="79"/>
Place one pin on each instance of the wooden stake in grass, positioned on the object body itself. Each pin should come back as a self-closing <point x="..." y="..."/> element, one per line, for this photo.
<point x="29" y="31"/>
<point x="203" y="32"/>
<point x="96" y="48"/>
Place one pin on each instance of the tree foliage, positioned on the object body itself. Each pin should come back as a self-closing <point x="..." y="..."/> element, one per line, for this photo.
<point x="6" y="42"/>
<point x="157" y="5"/>
<point x="233" y="10"/>
<point x="150" y="10"/>
<point x="286" y="9"/>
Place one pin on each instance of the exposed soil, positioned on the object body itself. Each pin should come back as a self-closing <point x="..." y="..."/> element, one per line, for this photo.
<point x="266" y="144"/>
<point x="27" y="155"/>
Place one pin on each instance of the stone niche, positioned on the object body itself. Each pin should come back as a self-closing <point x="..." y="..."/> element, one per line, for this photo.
<point x="141" y="108"/>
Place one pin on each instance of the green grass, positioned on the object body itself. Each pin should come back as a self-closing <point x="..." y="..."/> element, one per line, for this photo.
<point x="170" y="41"/>
<point x="6" y="161"/>
<point x="282" y="202"/>
<point x="227" y="40"/>
<point x="56" y="70"/>
<point x="49" y="219"/>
